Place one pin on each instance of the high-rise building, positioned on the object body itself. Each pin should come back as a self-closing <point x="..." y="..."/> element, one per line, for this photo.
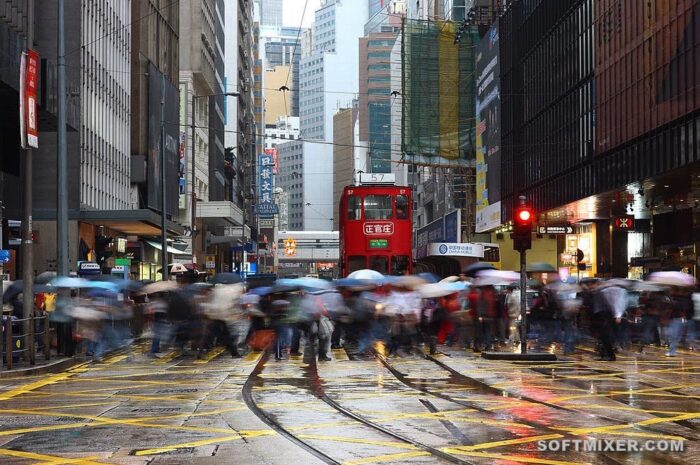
<point x="349" y="155"/>
<point x="271" y="13"/>
<point x="329" y="74"/>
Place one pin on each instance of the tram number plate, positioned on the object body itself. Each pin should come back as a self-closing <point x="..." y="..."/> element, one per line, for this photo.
<point x="379" y="243"/>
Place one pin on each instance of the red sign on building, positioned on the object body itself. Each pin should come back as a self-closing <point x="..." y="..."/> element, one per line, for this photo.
<point x="624" y="223"/>
<point x="28" y="84"/>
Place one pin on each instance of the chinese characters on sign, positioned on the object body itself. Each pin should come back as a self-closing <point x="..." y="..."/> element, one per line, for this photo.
<point x="266" y="207"/>
<point x="28" y="83"/>
<point x="379" y="229"/>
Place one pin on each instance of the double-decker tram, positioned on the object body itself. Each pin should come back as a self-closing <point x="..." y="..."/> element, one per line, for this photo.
<point x="376" y="230"/>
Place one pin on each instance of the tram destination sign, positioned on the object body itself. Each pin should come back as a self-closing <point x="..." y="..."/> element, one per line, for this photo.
<point x="555" y="229"/>
<point x="379" y="243"/>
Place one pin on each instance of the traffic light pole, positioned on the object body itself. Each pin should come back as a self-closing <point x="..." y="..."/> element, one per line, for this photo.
<point x="523" y="302"/>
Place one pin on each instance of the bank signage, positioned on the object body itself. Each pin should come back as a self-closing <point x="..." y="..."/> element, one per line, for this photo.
<point x="456" y="249"/>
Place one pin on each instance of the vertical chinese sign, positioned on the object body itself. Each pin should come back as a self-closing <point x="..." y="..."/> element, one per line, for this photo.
<point x="28" y="84"/>
<point x="266" y="207"/>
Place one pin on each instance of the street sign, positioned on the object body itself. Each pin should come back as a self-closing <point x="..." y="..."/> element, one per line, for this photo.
<point x="122" y="262"/>
<point x="4" y="256"/>
<point x="28" y="84"/>
<point x="555" y="229"/>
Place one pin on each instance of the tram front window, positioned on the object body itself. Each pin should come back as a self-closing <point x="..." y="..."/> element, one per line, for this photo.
<point x="378" y="207"/>
<point x="399" y="265"/>
<point x="356" y="262"/>
<point x="379" y="263"/>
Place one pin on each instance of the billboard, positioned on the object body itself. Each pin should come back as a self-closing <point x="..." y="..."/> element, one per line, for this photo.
<point x="646" y="67"/>
<point x="488" y="132"/>
<point x="445" y="229"/>
<point x="266" y="206"/>
<point x="159" y="88"/>
<point x="28" y="83"/>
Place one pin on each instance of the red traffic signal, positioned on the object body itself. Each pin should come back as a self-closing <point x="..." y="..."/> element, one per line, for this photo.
<point x="522" y="228"/>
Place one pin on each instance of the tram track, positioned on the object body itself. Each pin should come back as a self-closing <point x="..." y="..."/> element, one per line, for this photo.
<point x="317" y="392"/>
<point x="463" y="379"/>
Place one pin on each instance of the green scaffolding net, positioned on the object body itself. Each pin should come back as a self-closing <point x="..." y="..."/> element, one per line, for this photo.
<point x="438" y="81"/>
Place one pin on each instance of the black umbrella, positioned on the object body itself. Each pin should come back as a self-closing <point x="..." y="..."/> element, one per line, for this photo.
<point x="45" y="277"/>
<point x="474" y="268"/>
<point x="540" y="267"/>
<point x="227" y="278"/>
<point x="17" y="287"/>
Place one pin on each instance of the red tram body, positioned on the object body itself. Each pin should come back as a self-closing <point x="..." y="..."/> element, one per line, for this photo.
<point x="376" y="230"/>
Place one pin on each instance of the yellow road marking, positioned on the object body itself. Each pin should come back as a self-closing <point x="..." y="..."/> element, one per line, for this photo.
<point x="386" y="458"/>
<point x="340" y="355"/>
<point x="113" y="359"/>
<point x="49" y="458"/>
<point x="509" y="442"/>
<point x="168" y="357"/>
<point x="215" y="352"/>
<point x="321" y="437"/>
<point x="253" y="356"/>
<point x="53" y="379"/>
<point x="512" y="458"/>
<point x="607" y="429"/>
<point x="206" y="442"/>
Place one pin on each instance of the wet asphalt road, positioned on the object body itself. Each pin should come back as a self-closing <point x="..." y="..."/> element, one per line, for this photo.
<point x="451" y="408"/>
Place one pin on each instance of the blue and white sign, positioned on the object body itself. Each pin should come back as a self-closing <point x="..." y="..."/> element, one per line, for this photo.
<point x="4" y="256"/>
<point x="266" y="207"/>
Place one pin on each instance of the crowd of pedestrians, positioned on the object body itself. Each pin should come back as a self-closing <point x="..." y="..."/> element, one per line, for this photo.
<point x="395" y="315"/>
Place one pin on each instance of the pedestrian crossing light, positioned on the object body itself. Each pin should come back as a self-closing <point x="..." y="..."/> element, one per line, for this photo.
<point x="522" y="228"/>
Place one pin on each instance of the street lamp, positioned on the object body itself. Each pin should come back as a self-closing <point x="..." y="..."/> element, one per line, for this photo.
<point x="193" y="127"/>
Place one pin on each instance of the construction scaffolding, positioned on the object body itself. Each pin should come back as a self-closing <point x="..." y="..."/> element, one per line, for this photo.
<point x="439" y="88"/>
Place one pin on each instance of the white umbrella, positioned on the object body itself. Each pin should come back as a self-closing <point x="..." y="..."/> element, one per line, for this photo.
<point x="433" y="290"/>
<point x="450" y="279"/>
<point x="559" y="286"/>
<point x="506" y="276"/>
<point x="643" y="286"/>
<point x="159" y="286"/>
<point x="672" y="278"/>
<point x="366" y="274"/>
<point x="491" y="281"/>
<point x="70" y="282"/>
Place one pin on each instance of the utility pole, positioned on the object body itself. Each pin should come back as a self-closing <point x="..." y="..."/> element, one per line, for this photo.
<point x="62" y="171"/>
<point x="27" y="242"/>
<point x="163" y="185"/>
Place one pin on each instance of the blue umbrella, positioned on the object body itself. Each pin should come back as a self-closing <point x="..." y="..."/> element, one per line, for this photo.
<point x="306" y="283"/>
<point x="261" y="291"/>
<point x="70" y="282"/>
<point x="104" y="285"/>
<point x="429" y="277"/>
<point x="101" y="294"/>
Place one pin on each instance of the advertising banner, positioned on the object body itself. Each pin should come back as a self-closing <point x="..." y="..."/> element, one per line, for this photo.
<point x="266" y="207"/>
<point x="488" y="131"/>
<point x="159" y="88"/>
<point x="28" y="83"/>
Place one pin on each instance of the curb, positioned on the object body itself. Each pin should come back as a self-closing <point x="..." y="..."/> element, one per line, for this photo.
<point x="52" y="367"/>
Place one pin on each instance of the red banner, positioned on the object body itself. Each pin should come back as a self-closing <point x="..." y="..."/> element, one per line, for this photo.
<point x="28" y="83"/>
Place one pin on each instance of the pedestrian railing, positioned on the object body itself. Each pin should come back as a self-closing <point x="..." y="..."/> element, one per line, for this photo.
<point x="24" y="344"/>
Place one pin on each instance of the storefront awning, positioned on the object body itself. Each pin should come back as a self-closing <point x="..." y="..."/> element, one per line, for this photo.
<point x="142" y="222"/>
<point x="171" y="250"/>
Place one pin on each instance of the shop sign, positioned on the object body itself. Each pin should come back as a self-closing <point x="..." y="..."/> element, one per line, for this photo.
<point x="555" y="229"/>
<point x="28" y="84"/>
<point x="266" y="207"/>
<point x="122" y="262"/>
<point x="378" y="228"/>
<point x="89" y="268"/>
<point x="624" y="223"/>
<point x="456" y="249"/>
<point x="266" y="223"/>
<point x="210" y="262"/>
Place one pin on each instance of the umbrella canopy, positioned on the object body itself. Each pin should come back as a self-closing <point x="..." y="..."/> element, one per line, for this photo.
<point x="645" y="286"/>
<point x="491" y="281"/>
<point x="474" y="268"/>
<point x="261" y="291"/>
<point x="105" y="285"/>
<point x="45" y="277"/>
<point x="559" y="286"/>
<point x="429" y="277"/>
<point x="672" y="278"/>
<point x="366" y="275"/>
<point x="529" y="283"/>
<point x="17" y="287"/>
<point x="408" y="282"/>
<point x="499" y="274"/>
<point x="175" y="268"/>
<point x="159" y="286"/>
<point x="306" y="283"/>
<point x="540" y="267"/>
<point x="227" y="278"/>
<point x="450" y="279"/>
<point x="101" y="294"/>
<point x="70" y="282"/>
<point x="433" y="290"/>
<point x="616" y="282"/>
